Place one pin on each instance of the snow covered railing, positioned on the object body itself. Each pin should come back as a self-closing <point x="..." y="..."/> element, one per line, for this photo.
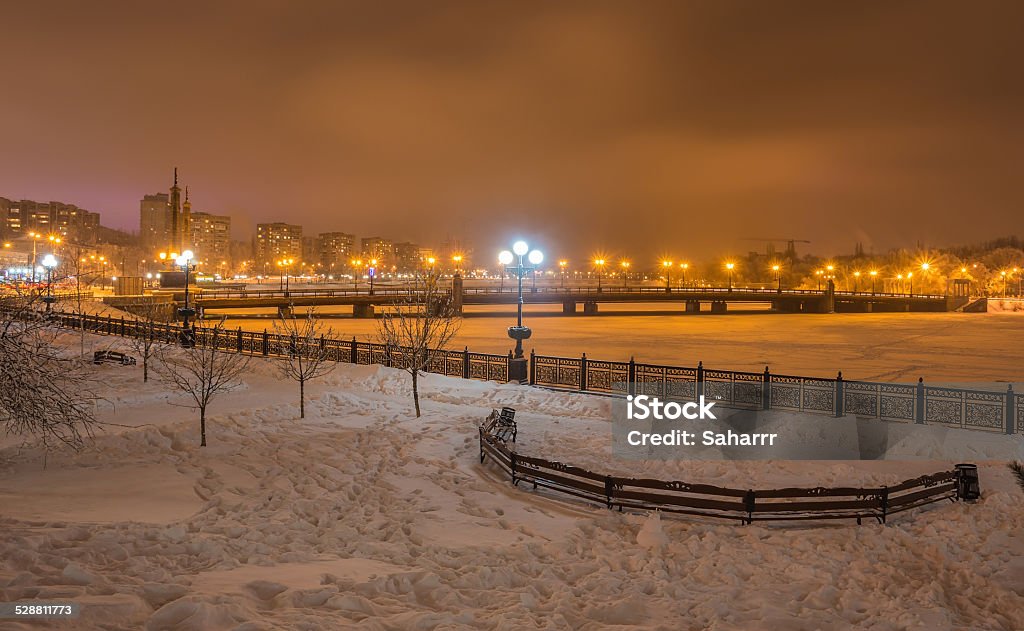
<point x="985" y="410"/>
<point x="705" y="500"/>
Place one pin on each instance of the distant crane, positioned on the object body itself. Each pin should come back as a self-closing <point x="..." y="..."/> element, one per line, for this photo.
<point x="770" y="245"/>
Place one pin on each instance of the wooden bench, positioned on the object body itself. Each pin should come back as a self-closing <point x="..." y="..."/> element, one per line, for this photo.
<point x="112" y="357"/>
<point x="502" y="424"/>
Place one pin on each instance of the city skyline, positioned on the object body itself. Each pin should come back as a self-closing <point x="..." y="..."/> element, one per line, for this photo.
<point x="577" y="125"/>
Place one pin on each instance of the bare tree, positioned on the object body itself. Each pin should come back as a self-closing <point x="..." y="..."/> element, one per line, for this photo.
<point x="150" y="325"/>
<point x="203" y="371"/>
<point x="307" y="357"/>
<point x="419" y="326"/>
<point x="44" y="393"/>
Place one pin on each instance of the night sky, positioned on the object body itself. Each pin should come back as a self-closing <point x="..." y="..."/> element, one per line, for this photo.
<point x="639" y="127"/>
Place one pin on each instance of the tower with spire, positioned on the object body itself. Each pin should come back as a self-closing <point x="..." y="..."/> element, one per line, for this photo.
<point x="181" y="217"/>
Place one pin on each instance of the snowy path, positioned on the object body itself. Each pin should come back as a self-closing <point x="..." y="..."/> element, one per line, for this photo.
<point x="361" y="514"/>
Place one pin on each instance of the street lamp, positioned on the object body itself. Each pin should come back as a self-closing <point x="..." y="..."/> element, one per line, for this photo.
<point x="187" y="335"/>
<point x="729" y="266"/>
<point x="517" y="370"/>
<point x="683" y="267"/>
<point x="874" y="274"/>
<point x="910" y="277"/>
<point x="373" y="272"/>
<point x="561" y="266"/>
<point x="625" y="274"/>
<point x="667" y="265"/>
<point x="856" y="282"/>
<point x="49" y="262"/>
<point x="1003" y="274"/>
<point x="599" y="263"/>
<point x="778" y="276"/>
<point x="285" y="265"/>
<point x="357" y="264"/>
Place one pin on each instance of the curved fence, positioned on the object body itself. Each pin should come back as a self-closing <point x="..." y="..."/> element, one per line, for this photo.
<point x="704" y="500"/>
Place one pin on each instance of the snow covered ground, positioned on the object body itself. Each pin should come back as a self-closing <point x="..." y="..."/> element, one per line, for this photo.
<point x="362" y="515"/>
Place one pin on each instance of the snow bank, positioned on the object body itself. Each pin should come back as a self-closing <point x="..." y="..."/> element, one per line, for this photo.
<point x="363" y="515"/>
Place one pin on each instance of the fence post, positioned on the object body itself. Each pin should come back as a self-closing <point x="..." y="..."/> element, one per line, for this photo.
<point x="766" y="390"/>
<point x="1011" y="410"/>
<point x="840" y="387"/>
<point x="609" y="486"/>
<point x="919" y="413"/>
<point x="533" y="366"/>
<point x="583" y="372"/>
<point x="239" y="334"/>
<point x="266" y="343"/>
<point x="884" y="500"/>
<point x="631" y="377"/>
<point x="122" y="326"/>
<point x="110" y="325"/>
<point x="700" y="379"/>
<point x="748" y="505"/>
<point x="465" y="362"/>
<point x="355" y="354"/>
<point x="512" y="463"/>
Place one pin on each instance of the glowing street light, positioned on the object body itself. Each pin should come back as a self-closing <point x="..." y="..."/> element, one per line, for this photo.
<point x="187" y="334"/>
<point x="729" y="266"/>
<point x="873" y="274"/>
<point x="778" y="276"/>
<point x="49" y="262"/>
<point x="683" y="267"/>
<point x="561" y="266"/>
<point x="856" y="281"/>
<point x="667" y="266"/>
<point x="372" y="272"/>
<point x="599" y="264"/>
<point x="517" y="367"/>
<point x="625" y="273"/>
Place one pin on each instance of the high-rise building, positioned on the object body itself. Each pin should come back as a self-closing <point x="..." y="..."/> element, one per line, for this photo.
<point x="155" y="221"/>
<point x="210" y="239"/>
<point x="66" y="220"/>
<point x="407" y="257"/>
<point x="380" y="249"/>
<point x="336" y="251"/>
<point x="310" y="252"/>
<point x="275" y="241"/>
<point x="164" y="220"/>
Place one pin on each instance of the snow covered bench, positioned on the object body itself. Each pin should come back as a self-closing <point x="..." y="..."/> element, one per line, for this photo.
<point x="502" y="424"/>
<point x="112" y="357"/>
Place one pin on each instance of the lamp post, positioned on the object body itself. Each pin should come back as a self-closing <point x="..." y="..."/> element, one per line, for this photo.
<point x="625" y="274"/>
<point x="856" y="282"/>
<point x="561" y="266"/>
<point x="285" y="265"/>
<point x="667" y="265"/>
<point x="730" y="266"/>
<point x="187" y="335"/>
<point x="683" y="267"/>
<point x="910" y="277"/>
<point x="49" y="262"/>
<point x="874" y="274"/>
<point x="357" y="266"/>
<point x="1003" y="274"/>
<point x="599" y="263"/>
<point x="778" y="276"/>
<point x="372" y="272"/>
<point x="517" y="367"/>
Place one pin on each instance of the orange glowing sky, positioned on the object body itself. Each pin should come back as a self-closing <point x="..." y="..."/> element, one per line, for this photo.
<point x="638" y="127"/>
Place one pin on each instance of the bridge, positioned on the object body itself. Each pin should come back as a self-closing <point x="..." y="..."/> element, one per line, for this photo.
<point x="691" y="299"/>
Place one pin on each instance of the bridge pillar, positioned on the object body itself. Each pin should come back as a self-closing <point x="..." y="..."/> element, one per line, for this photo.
<point x="869" y="307"/>
<point x="829" y="303"/>
<point x="590" y="308"/>
<point x="692" y="306"/>
<point x="569" y="307"/>
<point x="362" y="311"/>
<point x="286" y="311"/>
<point x="719" y="306"/>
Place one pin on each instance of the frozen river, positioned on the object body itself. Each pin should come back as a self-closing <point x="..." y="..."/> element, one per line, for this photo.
<point x="947" y="347"/>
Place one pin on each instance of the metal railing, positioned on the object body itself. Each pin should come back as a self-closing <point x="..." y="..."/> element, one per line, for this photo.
<point x="967" y="408"/>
